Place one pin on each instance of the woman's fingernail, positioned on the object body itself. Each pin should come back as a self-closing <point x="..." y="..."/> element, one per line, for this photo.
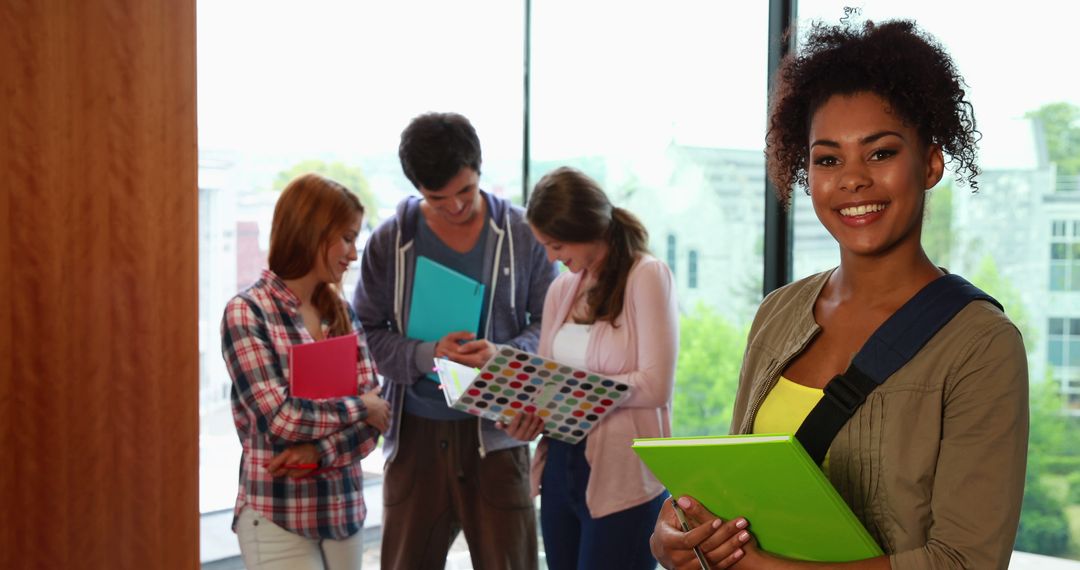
<point x="684" y="502"/>
<point x="717" y="523"/>
<point x="737" y="554"/>
<point x="744" y="536"/>
<point x="741" y="523"/>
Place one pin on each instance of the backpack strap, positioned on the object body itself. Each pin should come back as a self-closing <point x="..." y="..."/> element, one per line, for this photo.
<point x="891" y="346"/>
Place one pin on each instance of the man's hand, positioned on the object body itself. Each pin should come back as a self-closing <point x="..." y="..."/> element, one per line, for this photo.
<point x="461" y="347"/>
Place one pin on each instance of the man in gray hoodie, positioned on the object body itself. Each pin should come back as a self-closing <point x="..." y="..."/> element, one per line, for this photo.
<point x="447" y="471"/>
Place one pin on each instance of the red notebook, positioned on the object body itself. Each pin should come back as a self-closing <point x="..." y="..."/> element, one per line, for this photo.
<point x="323" y="369"/>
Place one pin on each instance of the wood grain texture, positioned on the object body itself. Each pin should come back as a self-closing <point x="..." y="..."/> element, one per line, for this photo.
<point x="99" y="375"/>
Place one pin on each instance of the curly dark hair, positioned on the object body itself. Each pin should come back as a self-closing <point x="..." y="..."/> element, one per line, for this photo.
<point x="894" y="60"/>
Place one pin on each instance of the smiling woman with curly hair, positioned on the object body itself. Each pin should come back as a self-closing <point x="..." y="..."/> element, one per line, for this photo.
<point x="894" y="60"/>
<point x="932" y="463"/>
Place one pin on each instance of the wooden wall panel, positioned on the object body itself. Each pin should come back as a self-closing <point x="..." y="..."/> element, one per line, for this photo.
<point x="99" y="290"/>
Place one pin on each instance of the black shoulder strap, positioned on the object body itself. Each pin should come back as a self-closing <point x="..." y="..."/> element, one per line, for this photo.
<point x="891" y="346"/>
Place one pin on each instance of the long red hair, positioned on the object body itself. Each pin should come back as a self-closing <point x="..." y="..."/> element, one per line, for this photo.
<point x="312" y="211"/>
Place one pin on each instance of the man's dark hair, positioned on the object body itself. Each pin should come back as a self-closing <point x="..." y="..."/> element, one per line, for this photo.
<point x="435" y="147"/>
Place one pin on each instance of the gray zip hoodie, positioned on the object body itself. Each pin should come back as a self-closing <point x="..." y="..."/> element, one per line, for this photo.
<point x="517" y="275"/>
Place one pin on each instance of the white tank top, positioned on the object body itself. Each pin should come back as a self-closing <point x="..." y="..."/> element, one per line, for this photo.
<point x="570" y="344"/>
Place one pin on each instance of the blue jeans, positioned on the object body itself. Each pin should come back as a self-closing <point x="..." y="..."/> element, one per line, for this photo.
<point x="573" y="540"/>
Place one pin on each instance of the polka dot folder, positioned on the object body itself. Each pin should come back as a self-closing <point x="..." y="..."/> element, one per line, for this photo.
<point x="570" y="400"/>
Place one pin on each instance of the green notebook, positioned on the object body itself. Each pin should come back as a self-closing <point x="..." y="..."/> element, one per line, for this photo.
<point x="793" y="509"/>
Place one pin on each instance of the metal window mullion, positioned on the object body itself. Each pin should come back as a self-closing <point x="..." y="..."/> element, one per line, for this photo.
<point x="777" y="269"/>
<point x="527" y="73"/>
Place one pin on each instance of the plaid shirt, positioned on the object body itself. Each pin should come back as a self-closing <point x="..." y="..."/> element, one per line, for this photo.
<point x="258" y="327"/>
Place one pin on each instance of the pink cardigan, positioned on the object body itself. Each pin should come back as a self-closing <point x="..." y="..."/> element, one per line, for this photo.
<point x="641" y="352"/>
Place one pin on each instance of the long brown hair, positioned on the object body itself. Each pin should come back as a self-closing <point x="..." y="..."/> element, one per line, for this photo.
<point x="570" y="207"/>
<point x="312" y="211"/>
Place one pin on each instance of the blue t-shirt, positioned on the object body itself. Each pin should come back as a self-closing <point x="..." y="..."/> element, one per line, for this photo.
<point x="424" y="398"/>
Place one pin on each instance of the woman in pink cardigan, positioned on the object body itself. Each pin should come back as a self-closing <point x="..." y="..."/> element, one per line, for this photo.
<point x="614" y="313"/>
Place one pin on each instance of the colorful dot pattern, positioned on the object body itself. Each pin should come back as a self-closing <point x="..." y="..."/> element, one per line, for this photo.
<point x="571" y="401"/>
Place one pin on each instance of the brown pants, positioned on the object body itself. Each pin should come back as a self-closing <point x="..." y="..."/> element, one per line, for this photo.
<point x="439" y="485"/>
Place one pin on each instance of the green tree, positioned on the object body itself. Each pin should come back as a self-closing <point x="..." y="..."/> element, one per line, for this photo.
<point x="1043" y="526"/>
<point x="989" y="279"/>
<point x="710" y="354"/>
<point x="937" y="225"/>
<point x="1073" y="479"/>
<point x="1052" y="433"/>
<point x="1044" y="529"/>
<point x="1060" y="123"/>
<point x="352" y="177"/>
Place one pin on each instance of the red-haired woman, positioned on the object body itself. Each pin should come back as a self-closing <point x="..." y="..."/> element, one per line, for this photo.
<point x="300" y="502"/>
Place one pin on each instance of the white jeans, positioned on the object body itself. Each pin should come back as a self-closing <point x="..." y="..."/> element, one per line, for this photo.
<point x="266" y="546"/>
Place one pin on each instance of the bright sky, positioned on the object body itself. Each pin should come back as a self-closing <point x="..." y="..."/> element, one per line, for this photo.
<point x="1014" y="57"/>
<point x="609" y="77"/>
<point x="347" y="76"/>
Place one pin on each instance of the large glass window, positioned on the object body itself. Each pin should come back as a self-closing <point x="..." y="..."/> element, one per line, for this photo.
<point x="1027" y="108"/>
<point x="672" y="252"/>
<point x="1065" y="256"/>
<point x="327" y="86"/>
<point x="692" y="269"/>
<point x="1063" y="358"/>
<point x="664" y="105"/>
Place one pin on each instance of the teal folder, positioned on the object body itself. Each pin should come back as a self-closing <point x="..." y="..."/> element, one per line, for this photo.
<point x="793" y="509"/>
<point x="443" y="301"/>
